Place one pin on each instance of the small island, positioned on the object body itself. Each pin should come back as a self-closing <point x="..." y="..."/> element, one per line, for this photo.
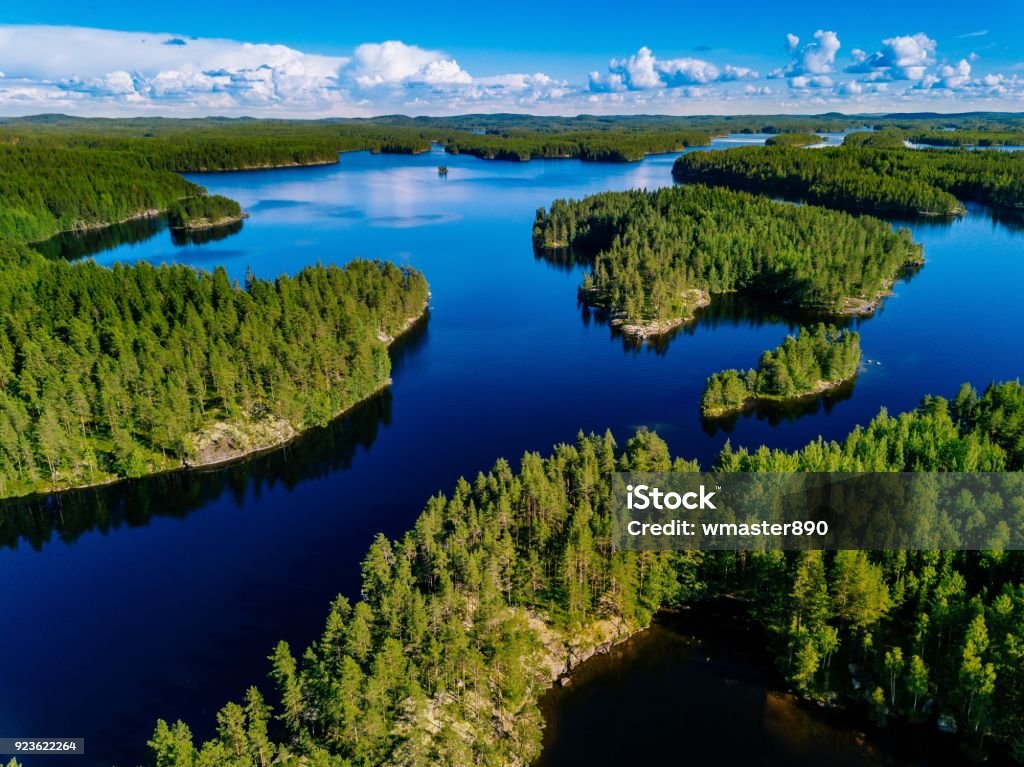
<point x="794" y="139"/>
<point x="819" y="359"/>
<point x="656" y="257"/>
<point x="205" y="211"/>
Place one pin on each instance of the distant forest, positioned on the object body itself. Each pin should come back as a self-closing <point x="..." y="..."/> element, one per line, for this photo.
<point x="859" y="177"/>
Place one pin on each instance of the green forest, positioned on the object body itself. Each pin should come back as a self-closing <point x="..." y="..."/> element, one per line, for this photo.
<point x="203" y="210"/>
<point x="960" y="138"/>
<point x="793" y="139"/>
<point x="212" y="144"/>
<point x="120" y="372"/>
<point x="109" y="373"/>
<point x="860" y="178"/>
<point x="816" y="359"/>
<point x="653" y="251"/>
<point x="467" y="618"/>
<point x="605" y="146"/>
<point x="48" y="189"/>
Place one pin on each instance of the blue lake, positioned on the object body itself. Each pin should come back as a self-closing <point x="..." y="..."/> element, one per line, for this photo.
<point x="162" y="598"/>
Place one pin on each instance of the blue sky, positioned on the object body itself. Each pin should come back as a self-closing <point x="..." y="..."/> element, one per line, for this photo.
<point x="342" y="58"/>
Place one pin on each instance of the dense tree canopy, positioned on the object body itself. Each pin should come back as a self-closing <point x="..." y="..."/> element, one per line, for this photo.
<point x="48" y="189"/>
<point x="959" y="138"/>
<point x="793" y="139"/>
<point x="604" y="146"/>
<point x="203" y="210"/>
<point x="122" y="372"/>
<point x="818" y="357"/>
<point x="651" y="250"/>
<point x="860" y="178"/>
<point x="443" y="659"/>
<point x="117" y="372"/>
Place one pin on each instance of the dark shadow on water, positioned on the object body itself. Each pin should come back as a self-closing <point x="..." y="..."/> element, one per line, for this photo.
<point x="409" y="344"/>
<point x="700" y="687"/>
<point x="1011" y="219"/>
<point x="725" y="310"/>
<point x="776" y="413"/>
<point x="72" y="245"/>
<point x="38" y="520"/>
<point x="749" y="308"/>
<point x="562" y="259"/>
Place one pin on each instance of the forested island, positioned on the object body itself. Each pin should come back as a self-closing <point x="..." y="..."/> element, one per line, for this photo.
<point x="506" y="584"/>
<point x="204" y="211"/>
<point x="109" y="373"/>
<point x="604" y="146"/>
<point x="967" y="138"/>
<point x="818" y="359"/>
<point x="658" y="255"/>
<point x="793" y="139"/>
<point x="861" y="178"/>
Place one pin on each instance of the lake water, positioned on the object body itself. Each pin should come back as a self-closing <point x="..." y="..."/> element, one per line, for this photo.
<point x="162" y="598"/>
<point x="700" y="683"/>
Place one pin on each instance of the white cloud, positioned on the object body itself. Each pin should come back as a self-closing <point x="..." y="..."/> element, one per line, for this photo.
<point x="643" y="71"/>
<point x="803" y="82"/>
<point x="909" y="54"/>
<point x="905" y="57"/>
<point x="393" y="62"/>
<point x="956" y="76"/>
<point x="93" y="71"/>
<point x="101" y="71"/>
<point x="815" y="58"/>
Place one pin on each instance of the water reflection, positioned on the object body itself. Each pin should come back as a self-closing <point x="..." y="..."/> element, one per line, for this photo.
<point x="183" y="237"/>
<point x="38" y="520"/>
<point x="775" y="413"/>
<point x="699" y="686"/>
<point x="72" y="245"/>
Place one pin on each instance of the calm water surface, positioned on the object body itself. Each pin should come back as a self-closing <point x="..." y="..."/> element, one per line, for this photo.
<point x="162" y="598"/>
<point x="698" y="688"/>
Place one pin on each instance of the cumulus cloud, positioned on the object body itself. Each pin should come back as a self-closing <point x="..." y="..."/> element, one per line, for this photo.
<point x="111" y="68"/>
<point x="394" y="62"/>
<point x="107" y="71"/>
<point x="905" y="57"/>
<point x="815" y="58"/>
<point x="643" y="71"/>
<point x="94" y="71"/>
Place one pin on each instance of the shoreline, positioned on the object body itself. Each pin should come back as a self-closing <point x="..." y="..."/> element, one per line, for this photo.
<point x="697" y="298"/>
<point x="821" y="387"/>
<point x="204" y="224"/>
<point x="265" y="166"/>
<point x="286" y="431"/>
